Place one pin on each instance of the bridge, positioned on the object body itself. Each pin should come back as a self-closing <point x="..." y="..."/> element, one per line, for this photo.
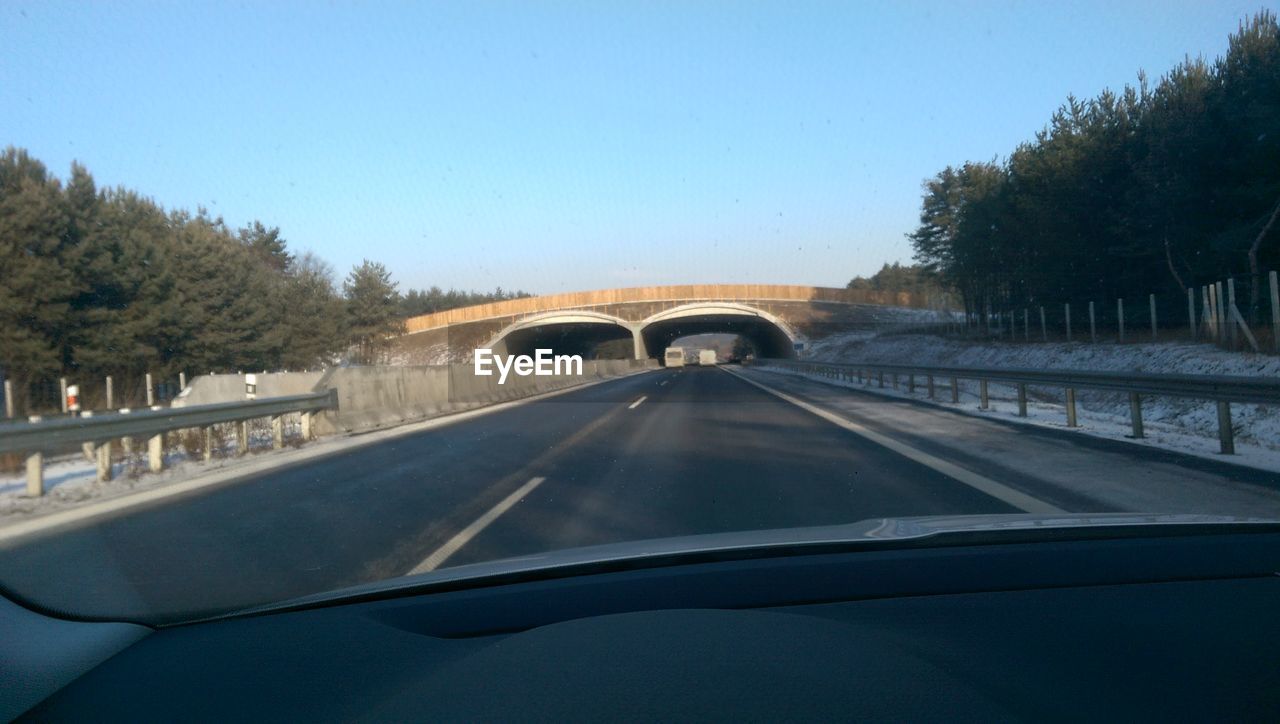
<point x="640" y="322"/>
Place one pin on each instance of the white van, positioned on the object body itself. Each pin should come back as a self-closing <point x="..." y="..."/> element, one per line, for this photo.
<point x="674" y="357"/>
<point x="707" y="357"/>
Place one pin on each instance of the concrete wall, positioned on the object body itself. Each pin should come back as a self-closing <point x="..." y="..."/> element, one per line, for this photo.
<point x="209" y="389"/>
<point x="375" y="397"/>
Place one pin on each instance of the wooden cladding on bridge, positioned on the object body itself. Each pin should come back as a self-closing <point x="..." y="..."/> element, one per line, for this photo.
<point x="683" y="293"/>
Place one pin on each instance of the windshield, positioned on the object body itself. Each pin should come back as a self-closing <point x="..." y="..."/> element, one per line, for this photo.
<point x="299" y="298"/>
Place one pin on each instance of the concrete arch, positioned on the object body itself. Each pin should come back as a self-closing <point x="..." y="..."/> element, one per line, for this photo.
<point x="772" y="336"/>
<point x="571" y="331"/>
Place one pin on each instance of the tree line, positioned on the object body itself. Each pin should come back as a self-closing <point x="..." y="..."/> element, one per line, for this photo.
<point x="898" y="277"/>
<point x="1156" y="189"/>
<point x="426" y="301"/>
<point x="98" y="282"/>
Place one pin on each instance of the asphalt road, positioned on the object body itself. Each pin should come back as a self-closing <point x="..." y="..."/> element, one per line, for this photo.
<point x="702" y="452"/>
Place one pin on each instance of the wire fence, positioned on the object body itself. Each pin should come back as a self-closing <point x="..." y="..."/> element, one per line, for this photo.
<point x="1232" y="313"/>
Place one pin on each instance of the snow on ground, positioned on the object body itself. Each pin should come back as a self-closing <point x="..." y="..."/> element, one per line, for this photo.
<point x="1182" y="424"/>
<point x="70" y="479"/>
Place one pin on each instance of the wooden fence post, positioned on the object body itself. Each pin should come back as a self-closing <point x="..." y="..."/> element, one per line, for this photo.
<point x="1231" y="304"/>
<point x="1275" y="311"/>
<point x="1191" y="311"/>
<point x="1222" y="313"/>
<point x="1153" y="317"/>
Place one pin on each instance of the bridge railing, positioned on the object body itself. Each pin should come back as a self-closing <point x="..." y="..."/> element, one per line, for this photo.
<point x="36" y="436"/>
<point x="1220" y="389"/>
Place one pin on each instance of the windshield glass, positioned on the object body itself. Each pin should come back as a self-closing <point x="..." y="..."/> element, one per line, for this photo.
<point x="298" y="298"/>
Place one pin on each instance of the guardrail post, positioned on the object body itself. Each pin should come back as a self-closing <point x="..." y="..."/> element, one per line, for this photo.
<point x="35" y="474"/>
<point x="955" y="390"/>
<point x="1022" y="399"/>
<point x="984" y="401"/>
<point x="911" y="383"/>
<point x="1071" y="407"/>
<point x="931" y="387"/>
<point x="242" y="437"/>
<point x="277" y="432"/>
<point x="1135" y="413"/>
<point x="126" y="443"/>
<point x="8" y="397"/>
<point x="155" y="453"/>
<point x="1226" y="436"/>
<point x="882" y="380"/>
<point x="102" y="453"/>
<point x="895" y="380"/>
<point x="206" y="442"/>
<point x="306" y="425"/>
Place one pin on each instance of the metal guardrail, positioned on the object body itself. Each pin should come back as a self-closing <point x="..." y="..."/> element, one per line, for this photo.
<point x="1220" y="389"/>
<point x="97" y="431"/>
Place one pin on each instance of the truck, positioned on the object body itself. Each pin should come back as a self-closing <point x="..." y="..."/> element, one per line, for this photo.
<point x="707" y="357"/>
<point x="674" y="357"/>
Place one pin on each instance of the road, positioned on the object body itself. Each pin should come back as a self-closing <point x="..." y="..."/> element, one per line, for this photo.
<point x="665" y="453"/>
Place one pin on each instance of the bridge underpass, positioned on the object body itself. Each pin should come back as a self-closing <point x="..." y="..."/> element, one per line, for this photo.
<point x="596" y="335"/>
<point x="774" y="318"/>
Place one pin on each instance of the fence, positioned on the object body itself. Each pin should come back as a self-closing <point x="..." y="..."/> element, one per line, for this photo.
<point x="37" y="436"/>
<point x="49" y="397"/>
<point x="1210" y="313"/>
<point x="1220" y="389"/>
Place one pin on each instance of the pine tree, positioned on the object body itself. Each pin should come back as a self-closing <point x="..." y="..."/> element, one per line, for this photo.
<point x="373" y="313"/>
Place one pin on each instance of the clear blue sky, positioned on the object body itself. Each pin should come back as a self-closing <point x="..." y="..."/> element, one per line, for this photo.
<point x="555" y="146"/>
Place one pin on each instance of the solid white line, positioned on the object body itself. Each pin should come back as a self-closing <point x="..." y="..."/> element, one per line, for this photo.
<point x="999" y="491"/>
<point x="636" y="404"/>
<point x="464" y="536"/>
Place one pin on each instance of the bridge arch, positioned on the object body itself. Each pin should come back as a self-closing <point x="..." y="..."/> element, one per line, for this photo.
<point x="570" y="331"/>
<point x="771" y="336"/>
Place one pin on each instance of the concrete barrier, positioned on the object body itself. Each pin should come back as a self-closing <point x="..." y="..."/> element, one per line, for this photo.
<point x="210" y="389"/>
<point x="376" y="397"/>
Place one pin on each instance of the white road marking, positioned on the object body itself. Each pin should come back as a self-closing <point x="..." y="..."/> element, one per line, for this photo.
<point x="660" y="384"/>
<point x="636" y="404"/>
<point x="235" y="470"/>
<point x="999" y="491"/>
<point x="464" y="536"/>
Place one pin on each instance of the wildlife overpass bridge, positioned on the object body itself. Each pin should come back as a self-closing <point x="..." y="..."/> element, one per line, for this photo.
<point x="641" y="322"/>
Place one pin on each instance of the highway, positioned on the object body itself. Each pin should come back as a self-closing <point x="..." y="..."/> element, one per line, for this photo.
<point x="664" y="453"/>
